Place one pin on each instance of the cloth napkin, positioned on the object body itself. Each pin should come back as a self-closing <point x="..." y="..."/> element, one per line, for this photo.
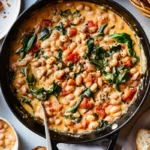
<point x="142" y="122"/>
<point x="98" y="145"/>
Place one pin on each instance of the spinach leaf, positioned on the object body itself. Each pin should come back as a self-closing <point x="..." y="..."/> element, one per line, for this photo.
<point x="40" y="94"/>
<point x="45" y="33"/>
<point x="103" y="123"/>
<point x="76" y="14"/>
<point x="87" y="93"/>
<point x="60" y="28"/>
<point x="90" y="46"/>
<point x="27" y="42"/>
<point x="70" y="66"/>
<point x="59" y="55"/>
<point x="29" y="78"/>
<point x="114" y="49"/>
<point x="30" y="43"/>
<point x="55" y="90"/>
<point x="21" y="53"/>
<point x="38" y="54"/>
<point x="25" y="39"/>
<point x="74" y="119"/>
<point x="101" y="30"/>
<point x="22" y="70"/>
<point x="121" y="78"/>
<point x="116" y="77"/>
<point x="125" y="39"/>
<point x="65" y="13"/>
<point x="24" y="99"/>
<point x="43" y="94"/>
<point x="100" y="64"/>
<point x="95" y="115"/>
<point x="109" y="77"/>
<point x="100" y="53"/>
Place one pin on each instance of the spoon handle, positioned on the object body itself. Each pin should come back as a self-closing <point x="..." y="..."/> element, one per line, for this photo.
<point x="48" y="140"/>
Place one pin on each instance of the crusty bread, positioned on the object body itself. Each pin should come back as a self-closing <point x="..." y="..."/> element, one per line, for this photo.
<point x="1" y="5"/>
<point x="143" y="140"/>
<point x="39" y="148"/>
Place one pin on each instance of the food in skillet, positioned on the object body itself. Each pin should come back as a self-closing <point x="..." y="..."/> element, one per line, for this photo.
<point x="82" y="60"/>
<point x="7" y="136"/>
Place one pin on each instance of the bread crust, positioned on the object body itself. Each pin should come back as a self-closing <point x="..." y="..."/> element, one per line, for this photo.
<point x="1" y="5"/>
<point x="138" y="135"/>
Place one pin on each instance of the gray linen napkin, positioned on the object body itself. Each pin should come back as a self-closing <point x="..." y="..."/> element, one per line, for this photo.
<point x="142" y="122"/>
<point x="98" y="145"/>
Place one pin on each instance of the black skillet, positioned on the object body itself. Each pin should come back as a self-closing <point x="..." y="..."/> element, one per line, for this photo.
<point x="57" y="137"/>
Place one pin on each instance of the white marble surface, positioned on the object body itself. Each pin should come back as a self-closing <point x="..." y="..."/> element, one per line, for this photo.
<point x="28" y="139"/>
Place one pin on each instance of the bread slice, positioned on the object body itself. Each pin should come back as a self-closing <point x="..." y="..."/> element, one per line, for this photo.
<point x="1" y="5"/>
<point x="39" y="148"/>
<point x="143" y="140"/>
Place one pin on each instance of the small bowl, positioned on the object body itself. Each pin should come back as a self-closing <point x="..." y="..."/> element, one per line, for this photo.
<point x="16" y="146"/>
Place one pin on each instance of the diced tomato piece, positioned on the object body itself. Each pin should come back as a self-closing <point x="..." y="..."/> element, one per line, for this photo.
<point x="86" y="104"/>
<point x="63" y="93"/>
<point x="128" y="95"/>
<point x="100" y="111"/>
<point x="74" y="57"/>
<point x="91" y="24"/>
<point x="103" y="20"/>
<point x="127" y="63"/>
<point x="72" y="31"/>
<point x="85" y="123"/>
<point x="46" y="23"/>
<point x="34" y="48"/>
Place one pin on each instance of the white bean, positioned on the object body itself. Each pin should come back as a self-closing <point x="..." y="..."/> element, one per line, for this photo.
<point x="88" y="8"/>
<point x="115" y="109"/>
<point x="118" y="114"/>
<point x="107" y="69"/>
<point x="76" y="21"/>
<point x="79" y="80"/>
<point x="113" y="63"/>
<point x="1" y="143"/>
<point x="90" y="118"/>
<point x="45" y="44"/>
<point x="70" y="97"/>
<point x="112" y="17"/>
<point x="24" y="90"/>
<point x="115" y="101"/>
<point x="133" y="71"/>
<point x="109" y="118"/>
<point x="80" y="7"/>
<point x="93" y="87"/>
<point x="93" y="125"/>
<point x="63" y="38"/>
<point x="100" y="82"/>
<point x="135" y="76"/>
<point x="2" y="135"/>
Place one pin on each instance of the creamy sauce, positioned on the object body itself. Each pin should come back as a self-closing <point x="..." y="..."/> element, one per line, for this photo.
<point x="80" y="92"/>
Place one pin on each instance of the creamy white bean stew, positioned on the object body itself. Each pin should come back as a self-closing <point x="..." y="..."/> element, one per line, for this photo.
<point x="81" y="60"/>
<point x="7" y="136"/>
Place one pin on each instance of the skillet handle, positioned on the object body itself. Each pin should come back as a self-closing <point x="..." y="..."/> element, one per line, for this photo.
<point x="54" y="145"/>
<point x="112" y="142"/>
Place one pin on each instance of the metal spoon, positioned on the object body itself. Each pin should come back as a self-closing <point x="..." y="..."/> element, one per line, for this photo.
<point x="48" y="140"/>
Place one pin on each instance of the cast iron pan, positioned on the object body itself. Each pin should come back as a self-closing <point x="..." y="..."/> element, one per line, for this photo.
<point x="38" y="128"/>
